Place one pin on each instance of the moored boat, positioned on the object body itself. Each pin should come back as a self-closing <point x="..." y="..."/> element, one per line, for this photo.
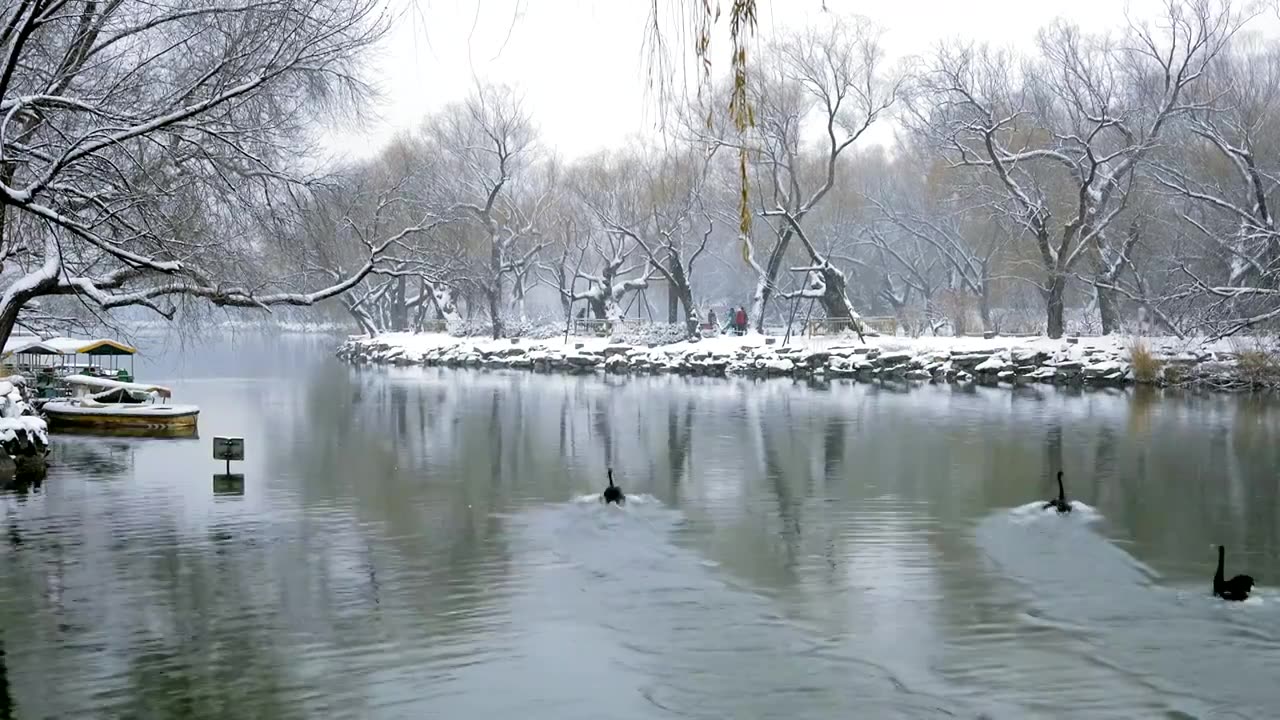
<point x="101" y="405"/>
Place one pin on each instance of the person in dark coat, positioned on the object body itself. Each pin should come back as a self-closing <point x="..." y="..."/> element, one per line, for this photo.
<point x="740" y="320"/>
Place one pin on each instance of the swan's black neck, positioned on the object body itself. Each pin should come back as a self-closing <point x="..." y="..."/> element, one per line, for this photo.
<point x="610" y="477"/>
<point x="1062" y="493"/>
<point x="1217" y="576"/>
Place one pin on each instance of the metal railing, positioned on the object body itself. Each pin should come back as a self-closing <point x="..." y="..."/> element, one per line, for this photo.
<point x="885" y="325"/>
<point x="435" y="326"/>
<point x="592" y="326"/>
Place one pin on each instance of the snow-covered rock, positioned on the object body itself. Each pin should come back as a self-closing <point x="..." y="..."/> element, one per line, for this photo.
<point x="1104" y="368"/>
<point x="993" y="364"/>
<point x="1028" y="356"/>
<point x="1091" y="361"/>
<point x="890" y="359"/>
<point x="24" y="437"/>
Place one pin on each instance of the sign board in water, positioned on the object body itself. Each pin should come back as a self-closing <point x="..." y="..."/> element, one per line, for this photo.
<point x="228" y="448"/>
<point x="228" y="484"/>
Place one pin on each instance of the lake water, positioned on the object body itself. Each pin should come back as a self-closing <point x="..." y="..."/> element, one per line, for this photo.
<point x="427" y="544"/>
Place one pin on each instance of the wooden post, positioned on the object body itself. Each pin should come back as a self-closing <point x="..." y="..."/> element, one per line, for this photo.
<point x="809" y="314"/>
<point x="795" y="305"/>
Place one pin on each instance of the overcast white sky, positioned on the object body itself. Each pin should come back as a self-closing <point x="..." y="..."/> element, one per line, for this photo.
<point x="581" y="67"/>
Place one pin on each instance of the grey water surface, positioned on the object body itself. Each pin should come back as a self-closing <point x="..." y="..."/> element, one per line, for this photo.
<point x="416" y="543"/>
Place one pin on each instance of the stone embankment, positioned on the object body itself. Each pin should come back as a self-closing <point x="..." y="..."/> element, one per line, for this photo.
<point x="1014" y="361"/>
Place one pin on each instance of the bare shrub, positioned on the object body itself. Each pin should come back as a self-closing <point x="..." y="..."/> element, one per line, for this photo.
<point x="1146" y="366"/>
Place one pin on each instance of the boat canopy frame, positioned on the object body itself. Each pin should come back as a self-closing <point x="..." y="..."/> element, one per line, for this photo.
<point x="41" y="354"/>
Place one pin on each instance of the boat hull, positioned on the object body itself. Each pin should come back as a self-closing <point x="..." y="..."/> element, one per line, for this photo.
<point x="144" y="420"/>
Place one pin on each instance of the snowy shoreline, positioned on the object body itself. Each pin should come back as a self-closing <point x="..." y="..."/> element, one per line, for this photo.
<point x="1095" y="361"/>
<point x="24" y="437"/>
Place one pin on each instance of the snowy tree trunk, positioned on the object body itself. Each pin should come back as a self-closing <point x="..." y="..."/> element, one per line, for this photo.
<point x="517" y="302"/>
<point x="361" y="316"/>
<point x="613" y="310"/>
<point x="835" y="301"/>
<point x="599" y="309"/>
<point x="1107" y="300"/>
<point x="566" y="293"/>
<point x="1054" y="298"/>
<point x="686" y="299"/>
<point x="442" y="297"/>
<point x="399" y="307"/>
<point x="8" y="319"/>
<point x="39" y="281"/>
<point x="765" y="279"/>
<point x="1108" y="310"/>
<point x="759" y="299"/>
<point x="424" y="302"/>
<point x="984" y="301"/>
<point x="493" y="292"/>
<point x="681" y="291"/>
<point x="495" y="313"/>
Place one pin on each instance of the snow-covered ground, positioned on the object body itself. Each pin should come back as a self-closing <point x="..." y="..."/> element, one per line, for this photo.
<point x="1086" y="360"/>
<point x="1118" y="345"/>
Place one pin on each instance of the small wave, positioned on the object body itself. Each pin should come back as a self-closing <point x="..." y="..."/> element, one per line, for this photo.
<point x="1034" y="511"/>
<point x="636" y="499"/>
<point x="1203" y="595"/>
<point x="1255" y="599"/>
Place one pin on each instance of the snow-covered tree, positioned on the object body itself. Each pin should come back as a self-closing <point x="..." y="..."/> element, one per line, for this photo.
<point x="1059" y="138"/>
<point x="653" y="200"/>
<point x="487" y="143"/>
<point x="137" y="138"/>
<point x="1219" y="175"/>
<point x="837" y="76"/>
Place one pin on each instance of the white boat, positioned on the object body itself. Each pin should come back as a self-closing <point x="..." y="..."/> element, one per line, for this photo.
<point x="111" y="406"/>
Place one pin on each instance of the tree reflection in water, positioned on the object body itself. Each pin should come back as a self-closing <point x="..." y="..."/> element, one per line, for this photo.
<point x="411" y="532"/>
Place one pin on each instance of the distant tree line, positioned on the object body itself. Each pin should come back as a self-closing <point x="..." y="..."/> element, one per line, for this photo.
<point x="1106" y="183"/>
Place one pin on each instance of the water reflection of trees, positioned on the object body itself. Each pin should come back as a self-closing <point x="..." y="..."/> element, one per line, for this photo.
<point x="201" y="657"/>
<point x="171" y="631"/>
<point x="92" y="457"/>
<point x="960" y="452"/>
<point x="426" y="467"/>
<point x="791" y="488"/>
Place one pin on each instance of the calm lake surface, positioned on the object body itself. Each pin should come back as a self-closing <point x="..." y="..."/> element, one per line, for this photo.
<point x="425" y="544"/>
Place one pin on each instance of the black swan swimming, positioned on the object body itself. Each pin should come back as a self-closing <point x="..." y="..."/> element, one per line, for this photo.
<point x="1237" y="588"/>
<point x="1059" y="503"/>
<point x="613" y="493"/>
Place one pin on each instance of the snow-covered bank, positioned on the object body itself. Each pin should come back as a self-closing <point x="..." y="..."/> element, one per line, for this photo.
<point x="24" y="438"/>
<point x="1087" y="361"/>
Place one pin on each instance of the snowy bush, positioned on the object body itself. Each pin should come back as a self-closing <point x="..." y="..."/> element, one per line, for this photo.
<point x="656" y="333"/>
<point x="534" y="330"/>
<point x="470" y="328"/>
<point x="544" y="331"/>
